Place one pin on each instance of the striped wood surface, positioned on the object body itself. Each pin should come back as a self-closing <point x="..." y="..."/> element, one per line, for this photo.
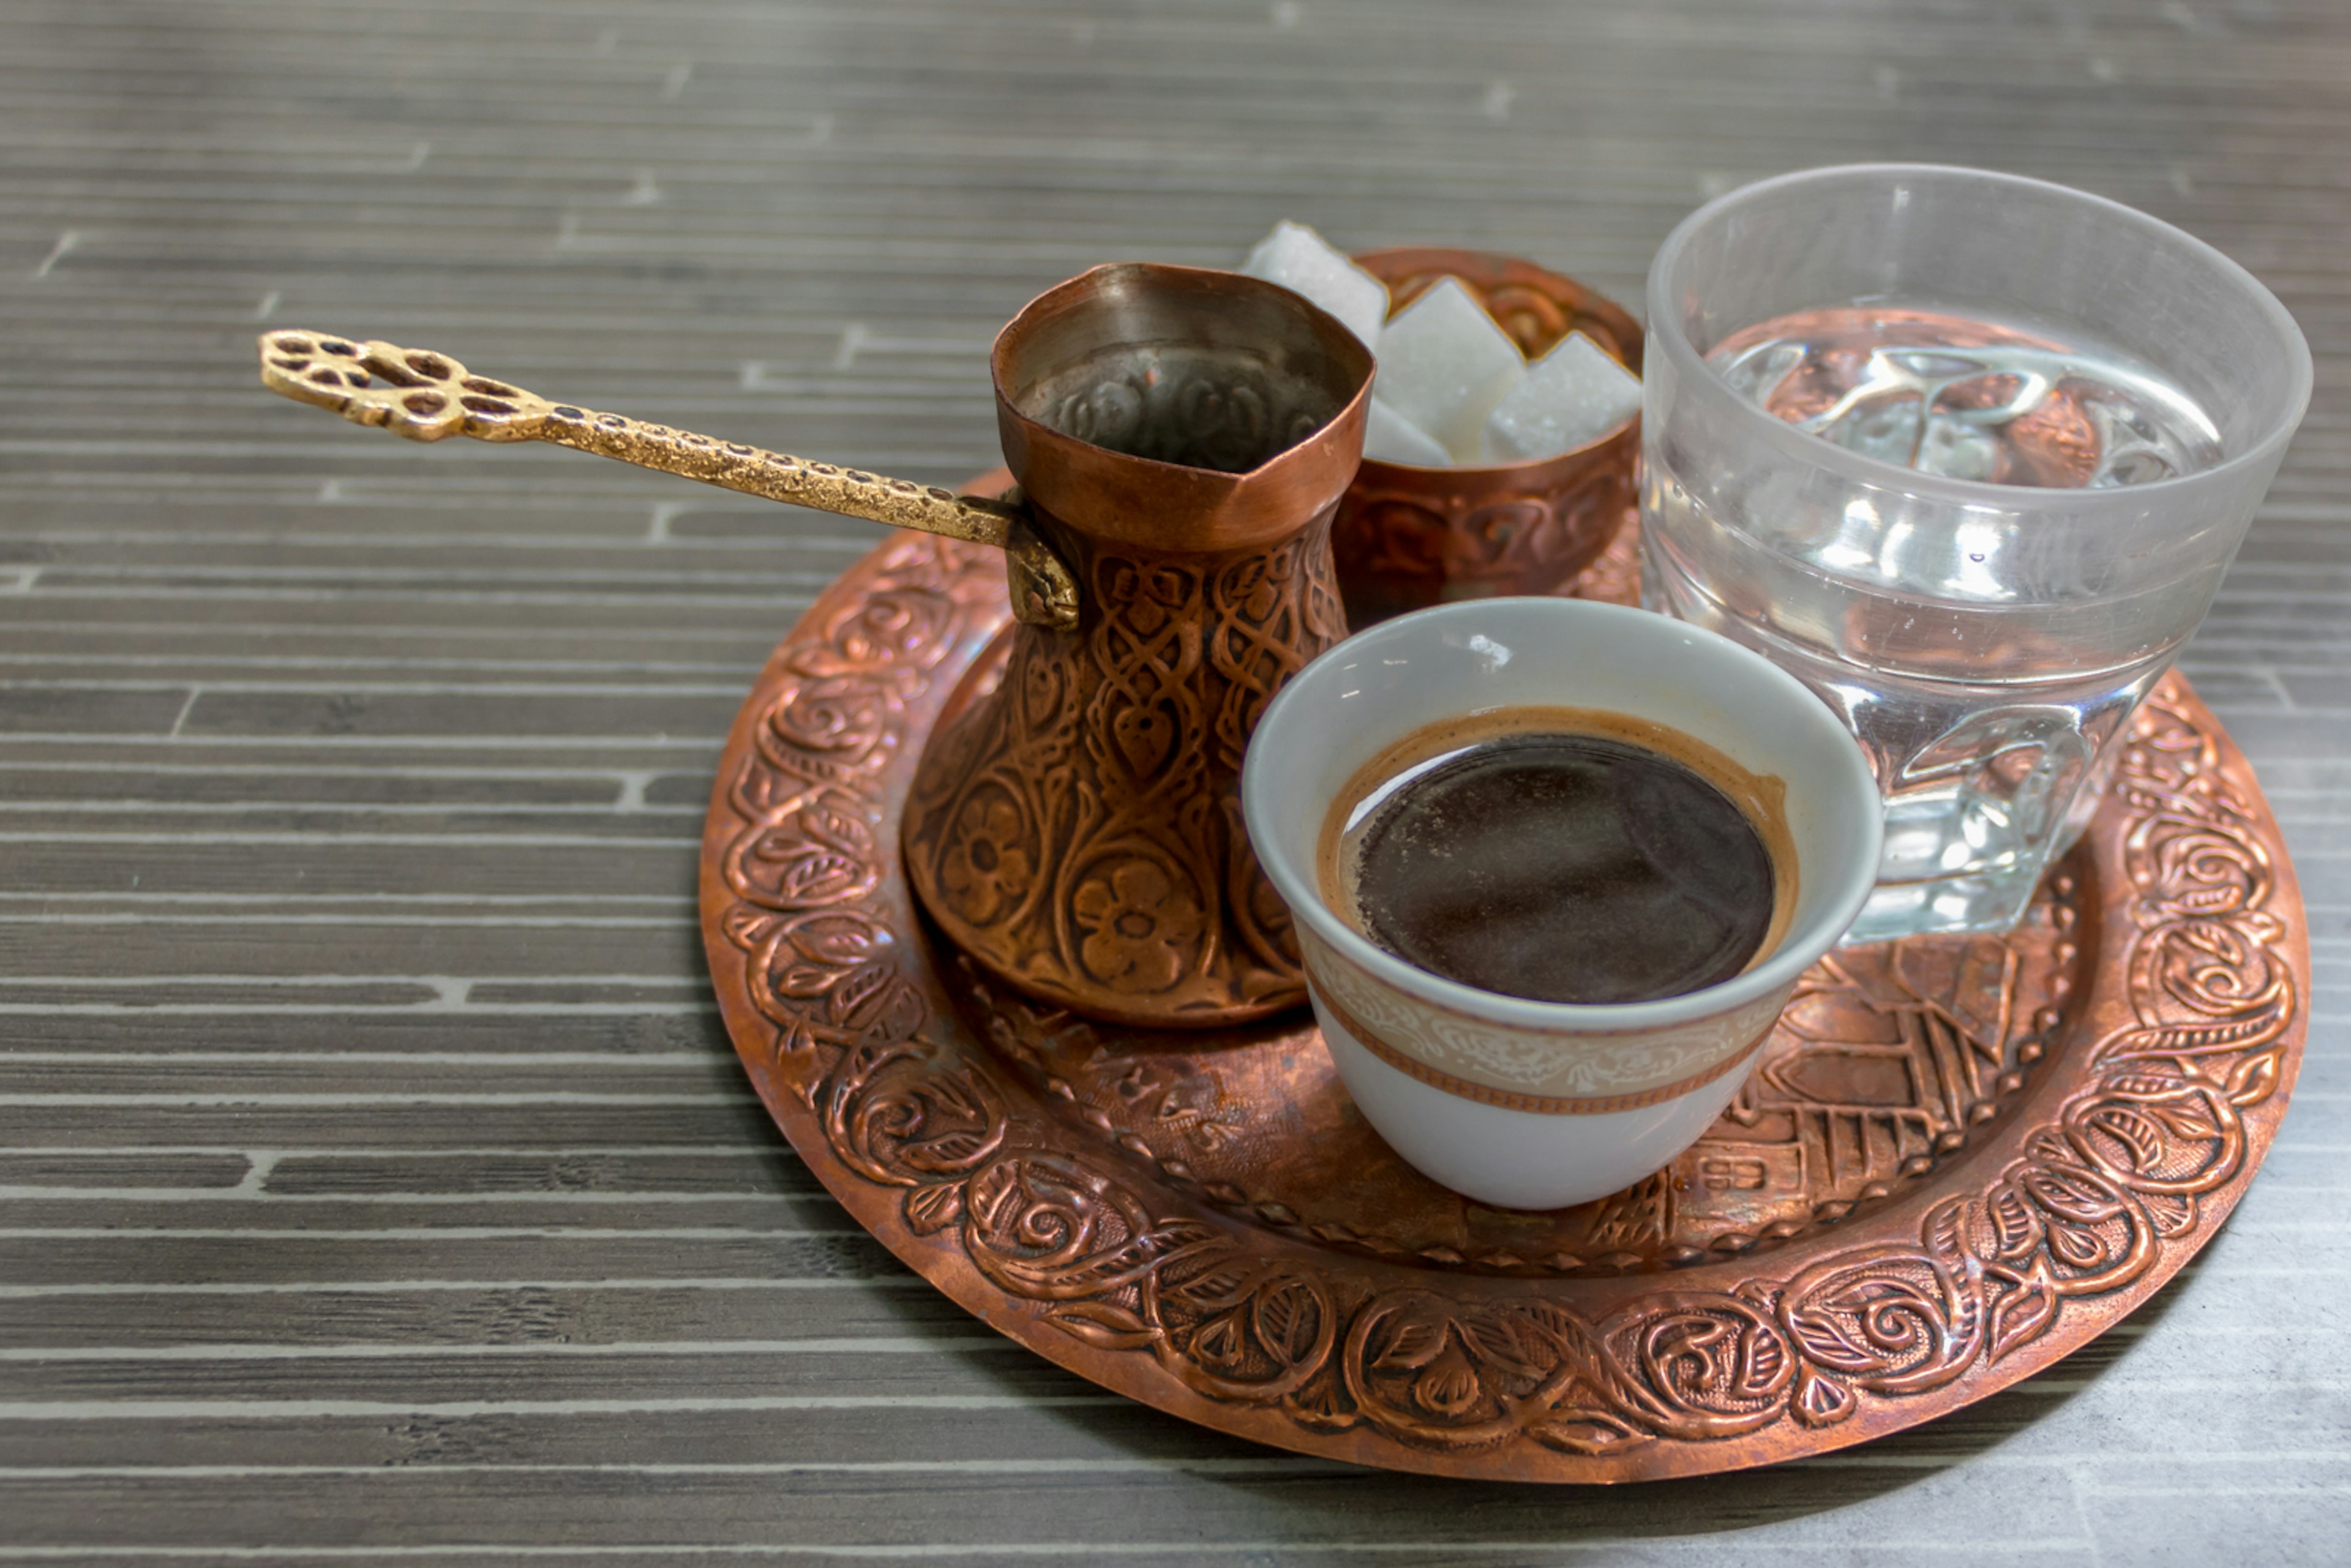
<point x="374" y="1174"/>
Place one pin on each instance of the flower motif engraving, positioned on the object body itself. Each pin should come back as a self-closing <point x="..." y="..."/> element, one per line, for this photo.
<point x="906" y="625"/>
<point x="1139" y="926"/>
<point x="988" y="866"/>
<point x="807" y="855"/>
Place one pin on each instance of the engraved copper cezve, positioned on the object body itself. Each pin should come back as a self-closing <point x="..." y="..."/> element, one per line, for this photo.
<point x="1408" y="537"/>
<point x="1957" y="1159"/>
<point x="1182" y="439"/>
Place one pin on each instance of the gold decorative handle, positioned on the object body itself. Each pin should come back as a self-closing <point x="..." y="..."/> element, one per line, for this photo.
<point x="426" y="396"/>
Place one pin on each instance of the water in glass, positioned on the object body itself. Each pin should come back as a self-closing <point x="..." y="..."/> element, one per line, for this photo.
<point x="1986" y="681"/>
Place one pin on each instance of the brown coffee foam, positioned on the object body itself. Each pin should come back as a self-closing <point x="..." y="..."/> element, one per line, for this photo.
<point x="1762" y="797"/>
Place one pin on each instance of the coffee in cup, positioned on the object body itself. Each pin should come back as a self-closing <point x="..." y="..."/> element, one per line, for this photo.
<point x="1561" y="854"/>
<point x="1514" y="1100"/>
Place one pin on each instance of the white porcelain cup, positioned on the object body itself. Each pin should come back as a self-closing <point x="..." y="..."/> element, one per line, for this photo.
<point x="1529" y="1104"/>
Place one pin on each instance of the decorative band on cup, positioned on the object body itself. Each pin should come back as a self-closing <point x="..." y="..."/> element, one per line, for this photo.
<point x="1513" y="1100"/>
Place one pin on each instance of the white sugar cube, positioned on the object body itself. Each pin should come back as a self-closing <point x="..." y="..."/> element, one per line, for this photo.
<point x="1305" y="263"/>
<point x="1390" y="437"/>
<point x="1573" y="394"/>
<point x="1443" y="365"/>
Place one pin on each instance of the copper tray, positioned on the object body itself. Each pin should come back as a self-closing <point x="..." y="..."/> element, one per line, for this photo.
<point x="1958" y="1160"/>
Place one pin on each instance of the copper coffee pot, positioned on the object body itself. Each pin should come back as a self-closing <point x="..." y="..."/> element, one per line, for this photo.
<point x="1181" y="439"/>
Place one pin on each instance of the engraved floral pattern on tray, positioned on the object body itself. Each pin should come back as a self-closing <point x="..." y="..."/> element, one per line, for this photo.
<point x="1081" y="1239"/>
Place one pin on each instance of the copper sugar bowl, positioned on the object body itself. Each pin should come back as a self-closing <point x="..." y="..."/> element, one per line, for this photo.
<point x="1181" y="438"/>
<point x="1407" y="537"/>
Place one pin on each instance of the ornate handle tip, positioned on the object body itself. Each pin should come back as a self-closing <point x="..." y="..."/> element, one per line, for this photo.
<point x="414" y="393"/>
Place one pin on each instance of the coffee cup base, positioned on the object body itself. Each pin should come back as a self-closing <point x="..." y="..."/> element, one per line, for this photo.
<point x="1507" y="1158"/>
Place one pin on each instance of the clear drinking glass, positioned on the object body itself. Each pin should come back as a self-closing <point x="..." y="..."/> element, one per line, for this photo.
<point x="1985" y="642"/>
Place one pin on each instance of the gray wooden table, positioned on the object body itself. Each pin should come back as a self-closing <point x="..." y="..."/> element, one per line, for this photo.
<point x="376" y="1182"/>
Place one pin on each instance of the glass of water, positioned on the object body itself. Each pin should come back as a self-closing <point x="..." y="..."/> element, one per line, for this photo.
<point x="1967" y="454"/>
